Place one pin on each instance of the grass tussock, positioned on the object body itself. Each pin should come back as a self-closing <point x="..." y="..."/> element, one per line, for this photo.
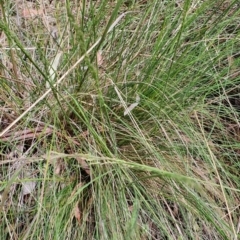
<point x="119" y="119"/>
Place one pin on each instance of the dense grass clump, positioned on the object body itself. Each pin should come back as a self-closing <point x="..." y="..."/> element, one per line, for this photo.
<point x="120" y="119"/>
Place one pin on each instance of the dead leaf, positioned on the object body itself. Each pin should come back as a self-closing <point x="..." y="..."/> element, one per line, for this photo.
<point x="30" y="13"/>
<point x="99" y="59"/>
<point x="77" y="214"/>
<point x="132" y="106"/>
<point x="84" y="165"/>
<point x="130" y="208"/>
<point x="28" y="187"/>
<point x="26" y="134"/>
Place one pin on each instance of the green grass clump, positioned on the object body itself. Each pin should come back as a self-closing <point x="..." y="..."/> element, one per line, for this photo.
<point x="136" y="137"/>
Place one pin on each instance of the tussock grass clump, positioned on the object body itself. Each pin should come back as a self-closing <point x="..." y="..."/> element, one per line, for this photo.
<point x="139" y="139"/>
